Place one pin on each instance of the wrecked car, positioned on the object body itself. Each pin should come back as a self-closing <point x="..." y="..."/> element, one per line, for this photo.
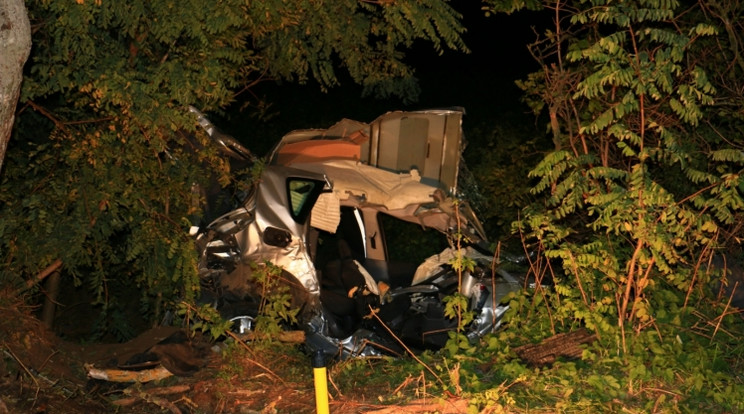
<point x="323" y="211"/>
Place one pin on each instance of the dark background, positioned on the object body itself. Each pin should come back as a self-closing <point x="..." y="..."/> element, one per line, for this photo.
<point x="482" y="82"/>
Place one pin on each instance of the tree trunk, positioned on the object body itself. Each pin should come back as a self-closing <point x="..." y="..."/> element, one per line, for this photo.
<point x="15" y="41"/>
<point x="50" y="302"/>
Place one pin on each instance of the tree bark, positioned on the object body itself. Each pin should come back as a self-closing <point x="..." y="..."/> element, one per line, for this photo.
<point x="15" y="43"/>
<point x="567" y="345"/>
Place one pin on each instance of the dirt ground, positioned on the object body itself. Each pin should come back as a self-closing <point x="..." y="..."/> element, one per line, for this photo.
<point x="41" y="373"/>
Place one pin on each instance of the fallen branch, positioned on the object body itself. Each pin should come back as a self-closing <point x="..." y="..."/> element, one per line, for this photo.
<point x="120" y="375"/>
<point x="426" y="406"/>
<point x="176" y="389"/>
<point x="292" y="337"/>
<point x="43" y="274"/>
<point x="8" y="351"/>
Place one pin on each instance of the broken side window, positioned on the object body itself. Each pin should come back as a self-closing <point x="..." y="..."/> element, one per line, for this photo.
<point x="302" y="194"/>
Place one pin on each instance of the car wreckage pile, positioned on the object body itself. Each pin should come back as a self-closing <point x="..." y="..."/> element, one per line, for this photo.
<point x="317" y="212"/>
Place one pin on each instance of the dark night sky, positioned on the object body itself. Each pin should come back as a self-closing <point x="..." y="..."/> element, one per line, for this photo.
<point x="482" y="82"/>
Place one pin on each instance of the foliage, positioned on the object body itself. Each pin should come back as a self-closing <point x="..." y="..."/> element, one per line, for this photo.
<point x="275" y="310"/>
<point x="641" y="190"/>
<point x="501" y="153"/>
<point x="660" y="376"/>
<point x="457" y="305"/>
<point x="274" y="313"/>
<point x="101" y="170"/>
<point x="644" y="107"/>
<point x="634" y="200"/>
<point x="204" y="318"/>
<point x="698" y="371"/>
<point x="353" y="374"/>
<point x="634" y="196"/>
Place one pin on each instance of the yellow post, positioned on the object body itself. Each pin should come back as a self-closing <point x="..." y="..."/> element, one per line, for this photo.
<point x="321" y="383"/>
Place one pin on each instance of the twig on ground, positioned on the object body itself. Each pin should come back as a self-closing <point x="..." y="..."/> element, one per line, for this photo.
<point x="442" y="406"/>
<point x="406" y="382"/>
<point x="413" y="355"/>
<point x="258" y="364"/>
<point x="725" y="310"/>
<point x="10" y="353"/>
<point x="138" y="394"/>
<point x="330" y="379"/>
<point x="47" y="360"/>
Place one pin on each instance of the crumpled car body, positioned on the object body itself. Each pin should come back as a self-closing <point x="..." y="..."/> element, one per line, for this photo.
<point x="321" y="194"/>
